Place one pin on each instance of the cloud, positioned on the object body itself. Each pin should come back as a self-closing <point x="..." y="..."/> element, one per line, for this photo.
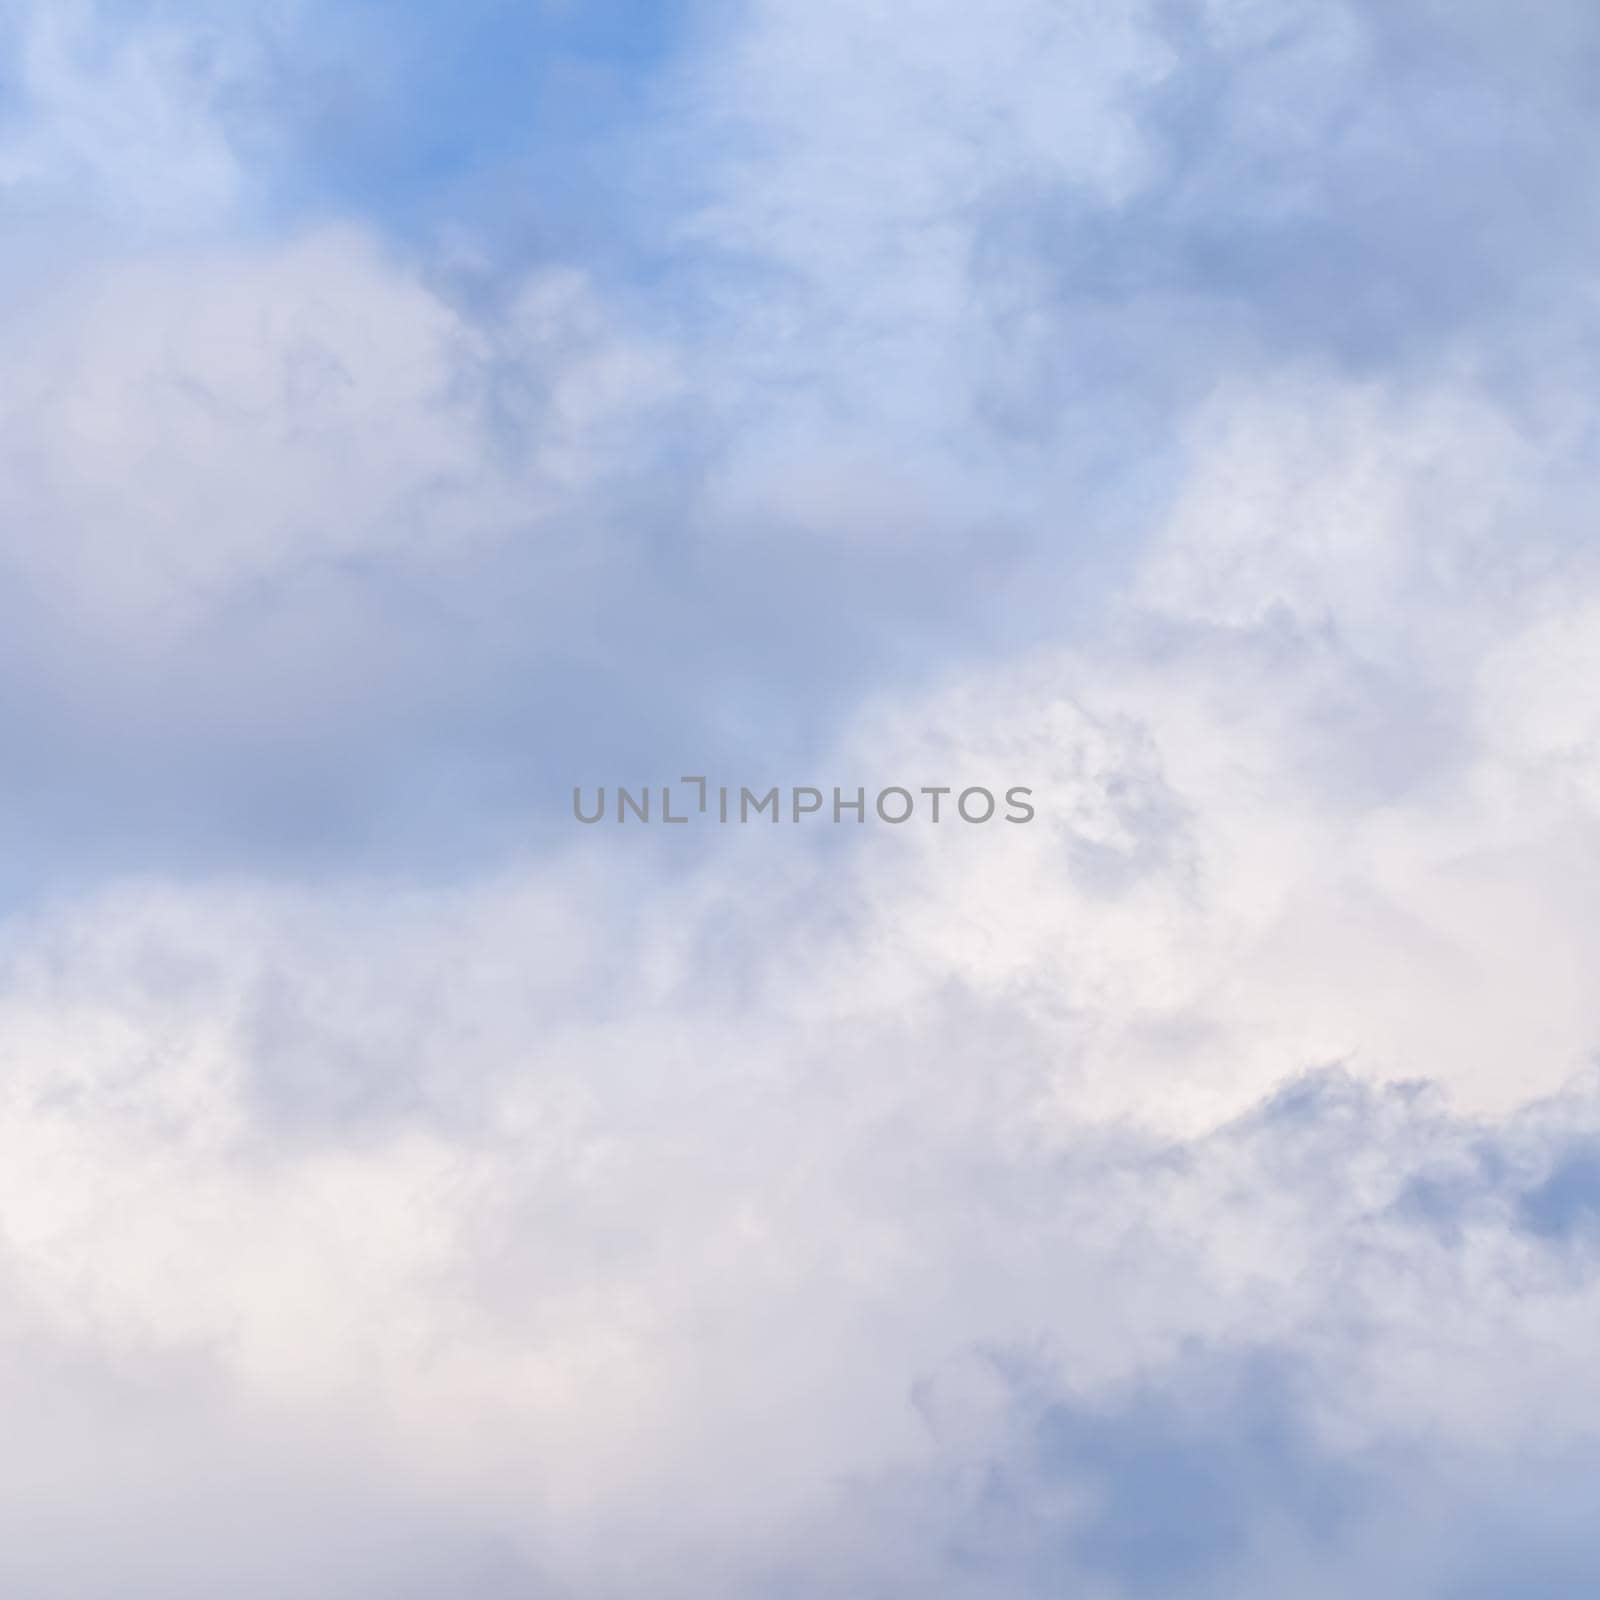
<point x="591" y="1185"/>
<point x="1185" y="413"/>
<point x="249" y="496"/>
<point x="195" y="428"/>
<point x="893" y="391"/>
<point x="123" y="115"/>
<point x="596" y="1268"/>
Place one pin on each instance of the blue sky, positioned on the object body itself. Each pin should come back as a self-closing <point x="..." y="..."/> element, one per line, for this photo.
<point x="1185" y="409"/>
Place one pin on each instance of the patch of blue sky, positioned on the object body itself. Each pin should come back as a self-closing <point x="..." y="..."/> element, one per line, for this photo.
<point x="518" y="123"/>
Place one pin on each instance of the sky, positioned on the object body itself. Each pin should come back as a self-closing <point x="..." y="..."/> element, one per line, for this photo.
<point x="410" y="414"/>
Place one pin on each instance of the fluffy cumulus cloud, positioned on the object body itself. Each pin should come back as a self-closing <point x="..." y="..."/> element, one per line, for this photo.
<point x="196" y="430"/>
<point x="1185" y="411"/>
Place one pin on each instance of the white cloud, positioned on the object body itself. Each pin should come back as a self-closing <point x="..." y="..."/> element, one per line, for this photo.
<point x="123" y="118"/>
<point x="1320" y="797"/>
<point x="181" y="429"/>
<point x="624" y="1217"/>
<point x="597" y="1225"/>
